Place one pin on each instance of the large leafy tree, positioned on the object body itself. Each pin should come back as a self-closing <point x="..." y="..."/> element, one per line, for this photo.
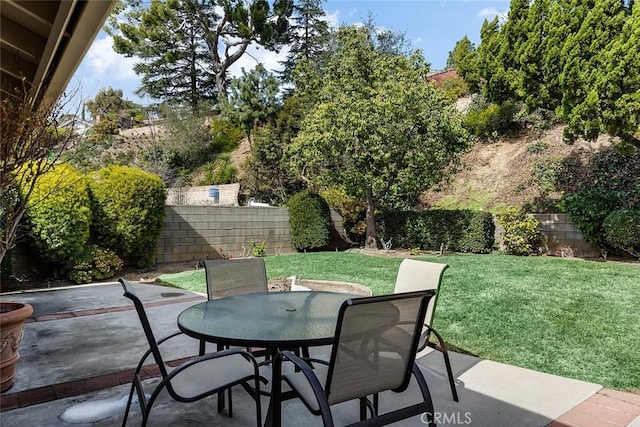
<point x="380" y="130"/>
<point x="221" y="30"/>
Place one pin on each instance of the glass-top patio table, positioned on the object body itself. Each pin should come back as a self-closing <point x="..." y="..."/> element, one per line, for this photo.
<point x="271" y="320"/>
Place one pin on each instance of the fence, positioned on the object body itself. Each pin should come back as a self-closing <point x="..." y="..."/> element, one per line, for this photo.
<point x="193" y="233"/>
<point x="209" y="195"/>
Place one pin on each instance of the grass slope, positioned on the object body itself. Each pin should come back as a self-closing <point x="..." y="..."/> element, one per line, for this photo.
<point x="573" y="318"/>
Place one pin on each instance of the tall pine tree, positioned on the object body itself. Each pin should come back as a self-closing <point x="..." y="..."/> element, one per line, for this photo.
<point x="310" y="37"/>
<point x="174" y="64"/>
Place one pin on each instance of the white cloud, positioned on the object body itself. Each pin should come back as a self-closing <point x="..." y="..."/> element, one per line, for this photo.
<point x="102" y="60"/>
<point x="258" y="55"/>
<point x="491" y="12"/>
<point x="333" y="19"/>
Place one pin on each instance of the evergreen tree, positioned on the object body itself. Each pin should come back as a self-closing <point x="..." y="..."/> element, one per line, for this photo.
<point x="253" y="99"/>
<point x="585" y="101"/>
<point x="488" y="52"/>
<point x="218" y="30"/>
<point x="174" y="56"/>
<point x="310" y="36"/>
<point x="465" y="60"/>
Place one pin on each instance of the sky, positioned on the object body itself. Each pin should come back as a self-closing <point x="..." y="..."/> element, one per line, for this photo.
<point x="433" y="26"/>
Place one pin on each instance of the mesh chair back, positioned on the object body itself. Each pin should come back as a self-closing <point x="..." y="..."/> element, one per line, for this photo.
<point x="374" y="350"/>
<point x="130" y="293"/>
<point x="414" y="275"/>
<point x="235" y="277"/>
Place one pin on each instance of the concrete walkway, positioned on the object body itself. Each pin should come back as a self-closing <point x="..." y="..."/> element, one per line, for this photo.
<point x="81" y="346"/>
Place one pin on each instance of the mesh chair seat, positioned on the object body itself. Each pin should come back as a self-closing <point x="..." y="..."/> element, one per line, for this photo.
<point x="211" y="374"/>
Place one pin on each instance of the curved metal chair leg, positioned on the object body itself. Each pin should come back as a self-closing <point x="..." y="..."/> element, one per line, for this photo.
<point x="442" y="348"/>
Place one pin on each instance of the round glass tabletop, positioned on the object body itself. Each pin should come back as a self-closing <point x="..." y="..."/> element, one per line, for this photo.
<point x="270" y="320"/>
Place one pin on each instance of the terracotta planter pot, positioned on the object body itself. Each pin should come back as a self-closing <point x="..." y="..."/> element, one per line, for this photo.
<point x="12" y="317"/>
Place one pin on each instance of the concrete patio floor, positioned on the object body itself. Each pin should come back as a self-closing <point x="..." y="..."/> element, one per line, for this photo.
<point x="82" y="343"/>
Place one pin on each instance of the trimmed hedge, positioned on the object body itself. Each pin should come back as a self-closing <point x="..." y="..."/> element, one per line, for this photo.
<point x="59" y="214"/>
<point x="310" y="221"/>
<point x="622" y="230"/>
<point x="460" y="230"/>
<point x="128" y="206"/>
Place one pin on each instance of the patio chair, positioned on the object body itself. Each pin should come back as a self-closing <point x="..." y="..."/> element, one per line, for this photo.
<point x="414" y="275"/>
<point x="195" y="379"/>
<point x="233" y="277"/>
<point x="363" y="362"/>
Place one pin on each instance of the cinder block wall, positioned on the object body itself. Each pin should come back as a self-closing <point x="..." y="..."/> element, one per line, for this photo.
<point x="562" y="236"/>
<point x="197" y="232"/>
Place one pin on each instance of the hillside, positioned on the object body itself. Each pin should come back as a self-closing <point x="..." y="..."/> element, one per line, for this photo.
<point x="498" y="174"/>
<point x="491" y="175"/>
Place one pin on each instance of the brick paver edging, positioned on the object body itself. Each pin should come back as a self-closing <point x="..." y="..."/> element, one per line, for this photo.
<point x="607" y="408"/>
<point x="92" y="312"/>
<point x="22" y="399"/>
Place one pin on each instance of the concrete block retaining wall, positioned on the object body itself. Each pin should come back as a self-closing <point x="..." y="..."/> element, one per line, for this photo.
<point x="563" y="238"/>
<point x="193" y="233"/>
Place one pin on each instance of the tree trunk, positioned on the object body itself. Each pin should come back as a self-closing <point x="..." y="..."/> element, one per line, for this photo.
<point x="371" y="241"/>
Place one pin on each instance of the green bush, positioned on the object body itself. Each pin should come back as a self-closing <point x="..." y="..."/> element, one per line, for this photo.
<point x="310" y="221"/>
<point x="622" y="230"/>
<point x="455" y="230"/>
<point x="522" y="234"/>
<point x="489" y="120"/>
<point x="351" y="210"/>
<point x="454" y="87"/>
<point x="59" y="214"/>
<point x="97" y="263"/>
<point x="128" y="206"/>
<point x="588" y="209"/>
<point x="258" y="249"/>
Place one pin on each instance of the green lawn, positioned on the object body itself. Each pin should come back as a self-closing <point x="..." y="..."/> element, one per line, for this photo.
<point x="573" y="318"/>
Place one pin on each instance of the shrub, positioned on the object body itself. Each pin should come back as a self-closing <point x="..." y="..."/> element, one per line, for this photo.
<point x="454" y="87"/>
<point x="128" y="206"/>
<point x="97" y="263"/>
<point x="522" y="234"/>
<point x="353" y="212"/>
<point x="622" y="230"/>
<point x="310" y="221"/>
<point x="487" y="120"/>
<point x="59" y="214"/>
<point x="456" y="230"/>
<point x="258" y="249"/>
<point x="226" y="136"/>
<point x="588" y="209"/>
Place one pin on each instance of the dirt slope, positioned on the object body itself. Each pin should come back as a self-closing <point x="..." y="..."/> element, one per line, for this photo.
<point x="499" y="174"/>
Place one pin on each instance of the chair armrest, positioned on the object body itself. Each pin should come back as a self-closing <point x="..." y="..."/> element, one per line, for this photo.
<point x="425" y="339"/>
<point x="216" y="355"/>
<point x="168" y="337"/>
<point x="308" y="373"/>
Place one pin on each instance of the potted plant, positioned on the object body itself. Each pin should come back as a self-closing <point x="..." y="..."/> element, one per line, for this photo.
<point x="12" y="317"/>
